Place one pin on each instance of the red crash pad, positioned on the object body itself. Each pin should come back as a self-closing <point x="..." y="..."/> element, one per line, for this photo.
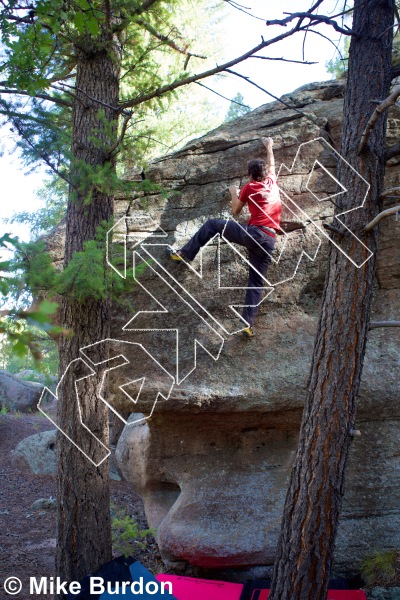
<point x="189" y="588"/>
<point x="332" y="595"/>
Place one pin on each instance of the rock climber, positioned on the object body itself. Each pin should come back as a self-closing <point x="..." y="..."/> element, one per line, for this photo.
<point x="261" y="193"/>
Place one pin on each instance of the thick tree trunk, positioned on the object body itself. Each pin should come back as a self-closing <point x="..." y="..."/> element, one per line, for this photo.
<point x="84" y="531"/>
<point x="316" y="488"/>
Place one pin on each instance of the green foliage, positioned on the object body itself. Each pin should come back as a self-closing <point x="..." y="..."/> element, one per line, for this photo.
<point x="87" y="276"/>
<point x="126" y="534"/>
<point x="237" y="108"/>
<point x="43" y="52"/>
<point x="379" y="568"/>
<point x="4" y="410"/>
<point x="21" y="328"/>
<point x="337" y="66"/>
<point x="23" y="332"/>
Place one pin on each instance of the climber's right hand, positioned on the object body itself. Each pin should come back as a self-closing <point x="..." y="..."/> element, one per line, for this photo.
<point x="268" y="142"/>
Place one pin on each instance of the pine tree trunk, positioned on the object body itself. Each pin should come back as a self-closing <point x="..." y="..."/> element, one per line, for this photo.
<point x="84" y="530"/>
<point x="314" y="498"/>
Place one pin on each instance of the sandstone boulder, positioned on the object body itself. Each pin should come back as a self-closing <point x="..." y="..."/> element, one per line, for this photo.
<point x="212" y="464"/>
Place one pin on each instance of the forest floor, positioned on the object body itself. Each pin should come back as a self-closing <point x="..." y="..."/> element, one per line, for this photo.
<point x="28" y="537"/>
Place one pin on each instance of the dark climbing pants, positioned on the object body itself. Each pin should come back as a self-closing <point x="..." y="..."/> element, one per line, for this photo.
<point x="259" y="244"/>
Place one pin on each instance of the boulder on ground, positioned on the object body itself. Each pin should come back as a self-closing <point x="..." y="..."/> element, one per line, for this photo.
<point x="44" y="504"/>
<point x="37" y="452"/>
<point x="18" y="394"/>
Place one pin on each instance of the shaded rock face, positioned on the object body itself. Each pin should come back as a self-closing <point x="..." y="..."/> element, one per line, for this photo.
<point x="212" y="464"/>
<point x="18" y="394"/>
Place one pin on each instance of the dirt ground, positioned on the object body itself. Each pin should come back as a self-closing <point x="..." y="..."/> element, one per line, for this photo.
<point x="28" y="537"/>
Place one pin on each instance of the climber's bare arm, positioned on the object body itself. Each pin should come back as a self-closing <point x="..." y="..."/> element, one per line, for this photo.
<point x="237" y="206"/>
<point x="268" y="143"/>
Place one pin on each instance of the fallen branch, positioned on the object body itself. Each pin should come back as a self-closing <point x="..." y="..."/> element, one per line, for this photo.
<point x="382" y="107"/>
<point x="376" y="324"/>
<point x="385" y="213"/>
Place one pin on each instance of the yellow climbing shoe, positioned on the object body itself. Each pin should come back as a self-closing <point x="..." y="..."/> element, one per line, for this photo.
<point x="174" y="255"/>
<point x="248" y="332"/>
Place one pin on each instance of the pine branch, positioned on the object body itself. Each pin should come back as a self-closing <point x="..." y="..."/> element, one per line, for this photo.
<point x="58" y="101"/>
<point x="385" y="213"/>
<point x="39" y="153"/>
<point x="167" y="40"/>
<point x="382" y="107"/>
<point x="144" y="7"/>
<point x="72" y="87"/>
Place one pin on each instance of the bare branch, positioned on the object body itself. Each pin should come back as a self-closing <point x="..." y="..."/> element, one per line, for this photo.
<point x="220" y="95"/>
<point x="382" y="107"/>
<point x="121" y="136"/>
<point x="389" y="192"/>
<point x="166" y="40"/>
<point x="392" y="151"/>
<point x="336" y="46"/>
<point x="314" y="20"/>
<point x="300" y="62"/>
<point x="385" y="213"/>
<point x="244" y="9"/>
<point x="272" y="95"/>
<point x="376" y="324"/>
<point x="333" y="229"/>
<point x="218" y="69"/>
<point x="315" y="6"/>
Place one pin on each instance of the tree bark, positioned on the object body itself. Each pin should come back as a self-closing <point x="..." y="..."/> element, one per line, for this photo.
<point x="314" y="498"/>
<point x="83" y="518"/>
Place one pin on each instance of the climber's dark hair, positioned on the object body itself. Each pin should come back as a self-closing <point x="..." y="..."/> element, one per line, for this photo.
<point x="257" y="169"/>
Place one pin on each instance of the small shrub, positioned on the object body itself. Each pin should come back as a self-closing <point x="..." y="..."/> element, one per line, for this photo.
<point x="4" y="410"/>
<point x="126" y="535"/>
<point x="380" y="568"/>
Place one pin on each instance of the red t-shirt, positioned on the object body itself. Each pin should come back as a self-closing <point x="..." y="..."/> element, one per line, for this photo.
<point x="264" y="202"/>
